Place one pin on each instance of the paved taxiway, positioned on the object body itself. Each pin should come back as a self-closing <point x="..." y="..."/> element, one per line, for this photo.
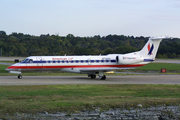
<point x="124" y="79"/>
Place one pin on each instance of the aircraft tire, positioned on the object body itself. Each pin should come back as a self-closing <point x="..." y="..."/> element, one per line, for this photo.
<point x="103" y="77"/>
<point x="19" y="76"/>
<point x="93" y="76"/>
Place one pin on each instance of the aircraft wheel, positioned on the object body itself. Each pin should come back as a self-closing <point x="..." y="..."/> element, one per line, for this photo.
<point x="93" y="76"/>
<point x="103" y="77"/>
<point x="19" y="76"/>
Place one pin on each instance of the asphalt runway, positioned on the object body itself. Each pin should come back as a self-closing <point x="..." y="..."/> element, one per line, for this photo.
<point x="62" y="80"/>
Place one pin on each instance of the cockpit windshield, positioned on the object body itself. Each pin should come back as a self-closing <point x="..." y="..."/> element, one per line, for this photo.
<point x="27" y="61"/>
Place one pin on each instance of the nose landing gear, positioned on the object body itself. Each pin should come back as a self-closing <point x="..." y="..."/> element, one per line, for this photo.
<point x="19" y="76"/>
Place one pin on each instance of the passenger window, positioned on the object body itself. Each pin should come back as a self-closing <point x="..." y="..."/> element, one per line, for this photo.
<point x="107" y="60"/>
<point x="102" y="61"/>
<point x="97" y="61"/>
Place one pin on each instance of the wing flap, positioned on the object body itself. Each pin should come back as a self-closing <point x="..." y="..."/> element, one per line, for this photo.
<point x="96" y="69"/>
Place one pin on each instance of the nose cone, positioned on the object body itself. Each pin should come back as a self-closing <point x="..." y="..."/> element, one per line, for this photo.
<point x="13" y="67"/>
<point x="9" y="68"/>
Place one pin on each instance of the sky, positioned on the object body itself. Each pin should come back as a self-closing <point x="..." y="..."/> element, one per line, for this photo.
<point x="91" y="17"/>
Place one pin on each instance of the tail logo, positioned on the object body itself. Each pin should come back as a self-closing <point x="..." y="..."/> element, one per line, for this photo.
<point x="150" y="49"/>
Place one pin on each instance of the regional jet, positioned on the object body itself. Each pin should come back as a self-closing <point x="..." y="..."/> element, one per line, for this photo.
<point x="90" y="65"/>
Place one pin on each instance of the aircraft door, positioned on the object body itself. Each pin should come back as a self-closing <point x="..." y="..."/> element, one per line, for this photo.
<point x="39" y="62"/>
<point x="89" y="61"/>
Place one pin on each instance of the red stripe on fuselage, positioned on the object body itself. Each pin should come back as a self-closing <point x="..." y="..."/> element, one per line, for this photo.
<point x="74" y="66"/>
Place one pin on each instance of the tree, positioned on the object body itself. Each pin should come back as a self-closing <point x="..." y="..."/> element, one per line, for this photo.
<point x="19" y="44"/>
<point x="2" y="33"/>
<point x="108" y="51"/>
<point x="70" y="36"/>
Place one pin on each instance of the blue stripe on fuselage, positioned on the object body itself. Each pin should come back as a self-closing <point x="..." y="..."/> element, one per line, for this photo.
<point x="72" y="61"/>
<point x="148" y="60"/>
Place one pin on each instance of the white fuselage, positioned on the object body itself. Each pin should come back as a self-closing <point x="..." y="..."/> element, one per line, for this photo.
<point x="77" y="64"/>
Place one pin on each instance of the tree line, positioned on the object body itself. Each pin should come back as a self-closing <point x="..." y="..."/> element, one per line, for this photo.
<point x="19" y="44"/>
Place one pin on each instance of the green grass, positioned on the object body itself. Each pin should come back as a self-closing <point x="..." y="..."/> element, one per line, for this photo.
<point x="71" y="98"/>
<point x="8" y="62"/>
<point x="2" y="68"/>
<point x="158" y="66"/>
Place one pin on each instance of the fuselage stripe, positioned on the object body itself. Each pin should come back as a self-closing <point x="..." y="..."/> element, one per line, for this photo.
<point x="71" y="61"/>
<point x="74" y="66"/>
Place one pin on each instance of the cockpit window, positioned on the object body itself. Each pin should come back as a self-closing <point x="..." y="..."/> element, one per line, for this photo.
<point x="25" y="61"/>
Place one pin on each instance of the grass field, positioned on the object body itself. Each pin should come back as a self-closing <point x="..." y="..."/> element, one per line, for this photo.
<point x="72" y="98"/>
<point x="157" y="67"/>
<point x="52" y="98"/>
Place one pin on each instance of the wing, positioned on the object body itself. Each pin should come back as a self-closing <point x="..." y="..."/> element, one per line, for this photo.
<point x="86" y="70"/>
<point x="96" y="70"/>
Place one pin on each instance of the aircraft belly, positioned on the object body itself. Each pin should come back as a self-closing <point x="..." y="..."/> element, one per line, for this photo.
<point x="72" y="70"/>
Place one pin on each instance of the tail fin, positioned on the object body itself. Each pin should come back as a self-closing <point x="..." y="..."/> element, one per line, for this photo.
<point x="149" y="51"/>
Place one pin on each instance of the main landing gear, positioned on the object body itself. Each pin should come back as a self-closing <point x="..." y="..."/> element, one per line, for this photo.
<point x="101" y="76"/>
<point x="19" y="76"/>
<point x="92" y="76"/>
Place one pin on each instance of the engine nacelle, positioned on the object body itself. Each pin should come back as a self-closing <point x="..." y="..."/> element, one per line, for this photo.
<point x="126" y="59"/>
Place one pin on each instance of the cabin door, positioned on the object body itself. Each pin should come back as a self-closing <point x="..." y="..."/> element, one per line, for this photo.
<point x="39" y="62"/>
<point x="89" y="61"/>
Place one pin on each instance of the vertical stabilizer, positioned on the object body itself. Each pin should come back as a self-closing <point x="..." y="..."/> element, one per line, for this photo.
<point x="150" y="49"/>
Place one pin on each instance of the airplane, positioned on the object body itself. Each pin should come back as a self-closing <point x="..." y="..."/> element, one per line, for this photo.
<point x="90" y="65"/>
